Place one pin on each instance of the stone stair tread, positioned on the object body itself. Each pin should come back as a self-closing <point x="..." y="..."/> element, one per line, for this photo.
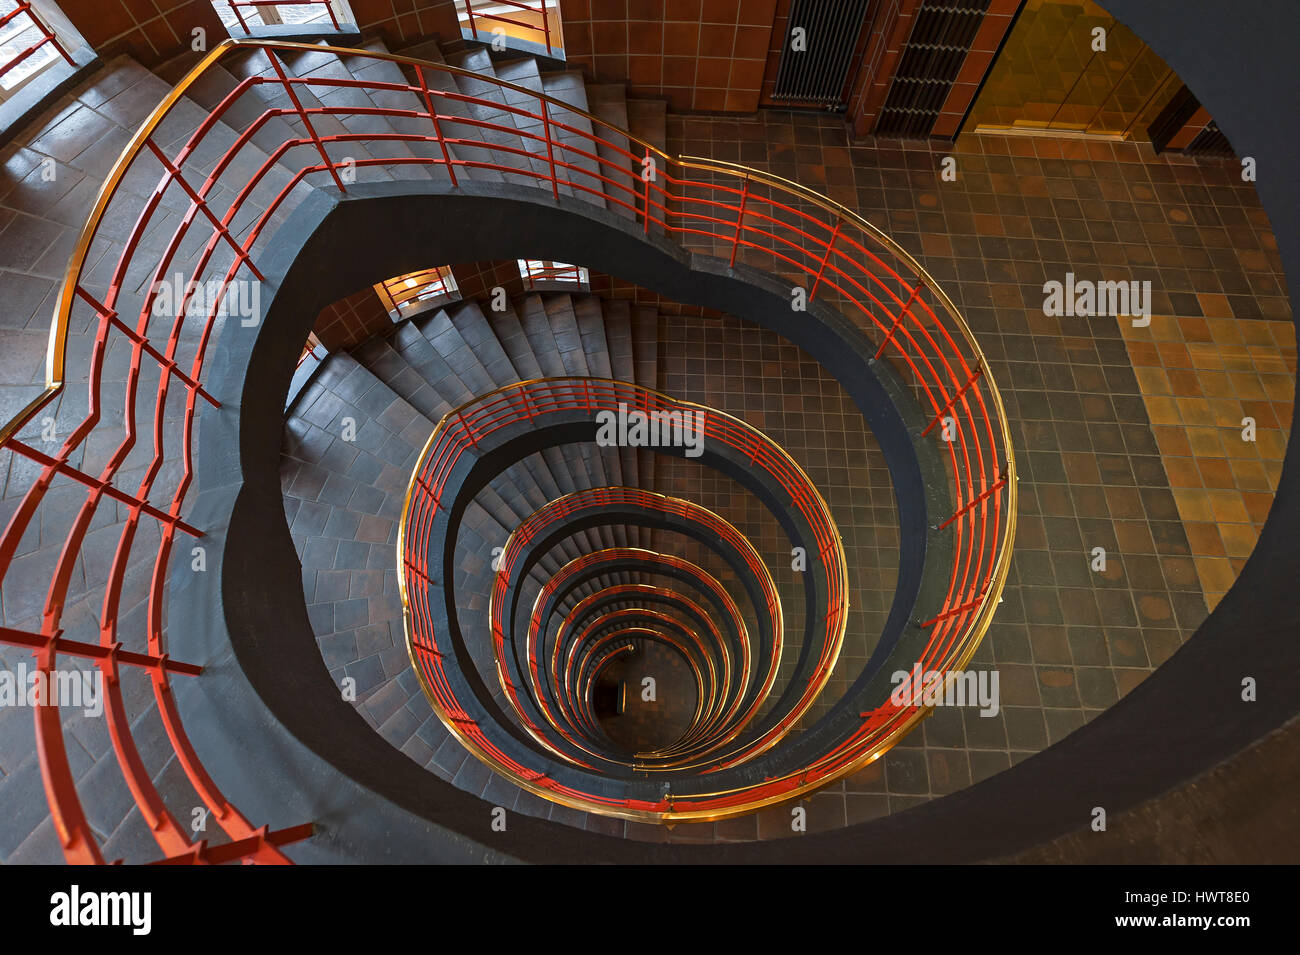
<point x="608" y="101"/>
<point x="570" y="88"/>
<point x="330" y="66"/>
<point x="389" y="365"/>
<point x="387" y="71"/>
<point x="481" y="86"/>
<point x="272" y="93"/>
<point x="645" y="338"/>
<point x="647" y="121"/>
<point x="416" y="349"/>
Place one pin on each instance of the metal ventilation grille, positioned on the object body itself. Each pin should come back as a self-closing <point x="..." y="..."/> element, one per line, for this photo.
<point x="1210" y="142"/>
<point x="819" y="74"/>
<point x="932" y="58"/>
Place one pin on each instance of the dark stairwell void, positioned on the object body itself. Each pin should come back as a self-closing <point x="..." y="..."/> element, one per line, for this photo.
<point x="327" y="495"/>
<point x="631" y="721"/>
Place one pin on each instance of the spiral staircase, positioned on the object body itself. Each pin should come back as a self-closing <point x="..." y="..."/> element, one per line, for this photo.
<point x="479" y="574"/>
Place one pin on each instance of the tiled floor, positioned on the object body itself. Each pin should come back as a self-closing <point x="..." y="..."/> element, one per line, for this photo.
<point x="1104" y="442"/>
<point x="755" y="375"/>
<point x="1204" y="382"/>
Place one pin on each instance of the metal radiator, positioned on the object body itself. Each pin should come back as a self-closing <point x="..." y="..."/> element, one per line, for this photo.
<point x="819" y="74"/>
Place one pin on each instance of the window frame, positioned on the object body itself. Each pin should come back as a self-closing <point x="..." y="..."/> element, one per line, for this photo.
<point x="271" y="19"/>
<point x="54" y="20"/>
<point x="518" y="39"/>
<point x="402" y="307"/>
<point x="550" y="276"/>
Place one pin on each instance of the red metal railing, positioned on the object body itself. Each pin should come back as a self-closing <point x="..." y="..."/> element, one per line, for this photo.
<point x="705" y="582"/>
<point x="400" y="293"/>
<point x="577" y="700"/>
<point x="312" y="350"/>
<point x="534" y="401"/>
<point x="463" y="430"/>
<point x="485" y="12"/>
<point x="565" y="509"/>
<point x="221" y="217"/>
<point x="733" y="684"/>
<point x="260" y="5"/>
<point x="24" y="8"/>
<point x="542" y="272"/>
<point x="720" y="684"/>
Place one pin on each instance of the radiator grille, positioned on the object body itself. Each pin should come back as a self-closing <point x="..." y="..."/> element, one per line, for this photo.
<point x="941" y="37"/>
<point x="819" y="74"/>
<point x="1210" y="142"/>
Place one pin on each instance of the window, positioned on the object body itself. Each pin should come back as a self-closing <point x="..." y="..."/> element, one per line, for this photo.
<point x="539" y="273"/>
<point x="31" y="41"/>
<point x="532" y="26"/>
<point x="417" y="292"/>
<point x="242" y="17"/>
<point x="313" y="350"/>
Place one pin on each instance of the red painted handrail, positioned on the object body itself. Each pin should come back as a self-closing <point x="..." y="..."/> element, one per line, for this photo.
<point x="258" y="4"/>
<point x="542" y="8"/>
<point x="47" y="36"/>
<point x="704" y="581"/>
<point x="200" y="204"/>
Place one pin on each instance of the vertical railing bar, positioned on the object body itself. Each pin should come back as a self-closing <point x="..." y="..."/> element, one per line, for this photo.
<point x="234" y="8"/>
<point x="469" y="10"/>
<point x="740" y="222"/>
<point x="835" y="234"/>
<point x="550" y="148"/>
<point x="302" y="113"/>
<point x="437" y="126"/>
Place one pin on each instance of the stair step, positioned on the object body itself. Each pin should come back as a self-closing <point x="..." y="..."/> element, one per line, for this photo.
<point x="330" y="66"/>
<point x="618" y="336"/>
<point x="525" y="73"/>
<point x="645" y="350"/>
<point x="442" y="333"/>
<point x="410" y="342"/>
<point x="608" y="101"/>
<point x="389" y="365"/>
<point x="479" y="333"/>
<point x="591" y="329"/>
<point x="570" y="88"/>
<point x="509" y="332"/>
<point x="648" y="121"/>
<point x="387" y="71"/>
<point x="470" y="322"/>
<point x="568" y="337"/>
<point x="273" y="94"/>
<point x="513" y="149"/>
<point x="536" y="324"/>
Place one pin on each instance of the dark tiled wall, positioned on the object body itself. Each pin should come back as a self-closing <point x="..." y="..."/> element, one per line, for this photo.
<point x="350" y="321"/>
<point x="705" y="55"/>
<point x="156" y="30"/>
<point x="149" y="30"/>
<point x="407" y="20"/>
